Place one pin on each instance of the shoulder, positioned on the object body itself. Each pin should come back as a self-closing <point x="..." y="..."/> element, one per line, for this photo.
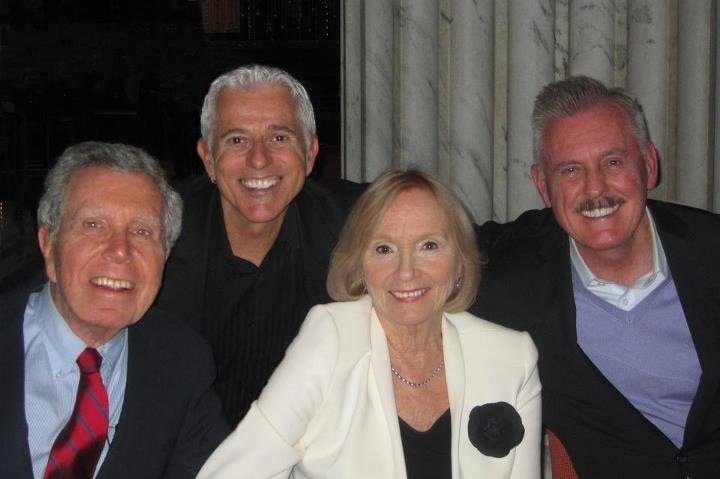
<point x="14" y="300"/>
<point x="347" y="317"/>
<point x="482" y="337"/>
<point x="196" y="193"/>
<point x="161" y="335"/>
<point x="344" y="327"/>
<point x="527" y="231"/>
<point x="676" y="218"/>
<point x="337" y="195"/>
<point x="193" y="186"/>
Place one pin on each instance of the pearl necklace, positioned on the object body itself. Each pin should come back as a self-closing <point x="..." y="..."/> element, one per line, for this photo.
<point x="424" y="383"/>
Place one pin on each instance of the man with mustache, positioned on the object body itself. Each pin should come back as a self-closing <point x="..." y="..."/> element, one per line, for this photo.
<point x="95" y="383"/>
<point x="620" y="293"/>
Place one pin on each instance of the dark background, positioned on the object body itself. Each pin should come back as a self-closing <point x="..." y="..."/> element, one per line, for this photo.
<point x="136" y="71"/>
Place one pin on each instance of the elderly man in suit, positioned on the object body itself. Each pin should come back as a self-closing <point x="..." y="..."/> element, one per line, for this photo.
<point x="94" y="384"/>
<point x="620" y="293"/>
<point x="253" y="254"/>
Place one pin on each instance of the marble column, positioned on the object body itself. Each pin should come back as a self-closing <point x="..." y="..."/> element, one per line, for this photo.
<point x="368" y="88"/>
<point x="471" y="105"/>
<point x="592" y="39"/>
<point x="416" y="77"/>
<point x="649" y="79"/>
<point x="531" y="51"/>
<point x="694" y="166"/>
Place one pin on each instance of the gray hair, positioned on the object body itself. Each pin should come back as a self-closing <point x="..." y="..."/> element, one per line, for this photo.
<point x="115" y="156"/>
<point x="575" y="94"/>
<point x="247" y="77"/>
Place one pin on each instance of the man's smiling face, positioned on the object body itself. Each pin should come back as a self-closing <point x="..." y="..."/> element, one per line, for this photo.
<point x="595" y="177"/>
<point x="258" y="155"/>
<point x="106" y="261"/>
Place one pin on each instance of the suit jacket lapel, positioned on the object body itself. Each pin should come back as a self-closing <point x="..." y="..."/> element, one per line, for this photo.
<point x="697" y="283"/>
<point x="563" y="362"/>
<point x="14" y="453"/>
<point x="554" y="295"/>
<point x="453" y="356"/>
<point x="145" y="391"/>
<point x="381" y="366"/>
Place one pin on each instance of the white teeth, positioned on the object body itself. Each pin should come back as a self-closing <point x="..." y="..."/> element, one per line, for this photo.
<point x="408" y="294"/>
<point x="116" y="284"/>
<point x="260" y="184"/>
<point x="599" y="212"/>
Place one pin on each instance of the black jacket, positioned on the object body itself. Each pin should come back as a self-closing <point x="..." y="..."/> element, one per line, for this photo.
<point x="527" y="285"/>
<point x="322" y="209"/>
<point x="171" y="418"/>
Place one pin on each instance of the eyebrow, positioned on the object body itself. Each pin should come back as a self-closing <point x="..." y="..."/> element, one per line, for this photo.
<point x="244" y="131"/>
<point x="232" y="131"/>
<point x="423" y="236"/>
<point x="613" y="151"/>
<point x="284" y="128"/>
<point x="148" y="218"/>
<point x="603" y="154"/>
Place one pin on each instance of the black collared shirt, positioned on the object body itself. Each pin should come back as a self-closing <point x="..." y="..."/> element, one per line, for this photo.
<point x="252" y="313"/>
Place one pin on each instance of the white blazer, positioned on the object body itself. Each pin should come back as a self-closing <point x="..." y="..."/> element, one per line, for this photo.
<point x="328" y="411"/>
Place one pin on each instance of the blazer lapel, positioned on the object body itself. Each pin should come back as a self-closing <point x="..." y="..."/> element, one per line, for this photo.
<point x="564" y="367"/>
<point x="14" y="453"/>
<point x="554" y="295"/>
<point x="381" y="367"/>
<point x="455" y="378"/>
<point x="697" y="283"/>
<point x="146" y="389"/>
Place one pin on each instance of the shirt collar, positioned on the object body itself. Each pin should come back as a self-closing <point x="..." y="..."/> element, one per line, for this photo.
<point x="659" y="269"/>
<point x="62" y="345"/>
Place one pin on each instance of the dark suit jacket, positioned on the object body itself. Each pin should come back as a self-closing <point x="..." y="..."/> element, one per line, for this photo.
<point x="322" y="208"/>
<point x="527" y="285"/>
<point x="171" y="418"/>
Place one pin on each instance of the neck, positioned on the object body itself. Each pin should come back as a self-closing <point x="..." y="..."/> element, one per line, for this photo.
<point x="625" y="264"/>
<point x="92" y="336"/>
<point x="251" y="241"/>
<point x="418" y="341"/>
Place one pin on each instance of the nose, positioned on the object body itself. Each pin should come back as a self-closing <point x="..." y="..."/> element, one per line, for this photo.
<point x="406" y="265"/>
<point x="258" y="157"/>
<point x="595" y="184"/>
<point x="117" y="248"/>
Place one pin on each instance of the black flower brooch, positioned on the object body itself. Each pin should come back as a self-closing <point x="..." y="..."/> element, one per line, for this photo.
<point x="495" y="428"/>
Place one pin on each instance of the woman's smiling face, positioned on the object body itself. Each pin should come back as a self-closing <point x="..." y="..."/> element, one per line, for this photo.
<point x="411" y="264"/>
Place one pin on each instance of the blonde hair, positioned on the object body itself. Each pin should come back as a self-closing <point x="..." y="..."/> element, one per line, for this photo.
<point x="345" y="276"/>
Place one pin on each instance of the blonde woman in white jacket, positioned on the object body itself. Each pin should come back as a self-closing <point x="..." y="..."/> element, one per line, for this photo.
<point x="396" y="380"/>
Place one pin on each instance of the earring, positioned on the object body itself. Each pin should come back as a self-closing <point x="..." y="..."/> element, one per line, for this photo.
<point x="458" y="283"/>
<point x="212" y="178"/>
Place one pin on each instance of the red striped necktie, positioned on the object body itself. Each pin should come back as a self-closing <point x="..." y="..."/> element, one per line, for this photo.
<point x="77" y="448"/>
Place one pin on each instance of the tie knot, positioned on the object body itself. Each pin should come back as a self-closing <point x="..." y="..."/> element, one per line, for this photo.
<point x="89" y="361"/>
